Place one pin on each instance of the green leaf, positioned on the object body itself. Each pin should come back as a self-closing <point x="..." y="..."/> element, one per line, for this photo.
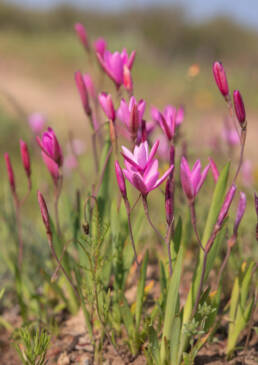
<point x="171" y="304"/>
<point x="140" y="291"/>
<point x="154" y="345"/>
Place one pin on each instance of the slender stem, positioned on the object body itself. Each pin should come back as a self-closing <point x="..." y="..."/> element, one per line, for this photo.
<point x="128" y="210"/>
<point x="224" y="263"/>
<point x="201" y="283"/>
<point x="168" y="240"/>
<point x="50" y="242"/>
<point x="19" y="231"/>
<point x="146" y="210"/>
<point x="193" y="218"/>
<point x="95" y="151"/>
<point x="243" y="139"/>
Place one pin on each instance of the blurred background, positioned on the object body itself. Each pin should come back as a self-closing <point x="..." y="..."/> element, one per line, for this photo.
<point x="176" y="43"/>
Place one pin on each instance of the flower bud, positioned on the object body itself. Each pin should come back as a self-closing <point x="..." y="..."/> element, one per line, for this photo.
<point x="169" y="201"/>
<point x="50" y="146"/>
<point x="25" y="157"/>
<point x="220" y="78"/>
<point x="106" y="103"/>
<point x="214" y="170"/>
<point x="240" y="211"/>
<point x="81" y="86"/>
<point x="82" y="35"/>
<point x="120" y="180"/>
<point x="256" y="209"/>
<point x="10" y="172"/>
<point x="239" y="108"/>
<point x="44" y="212"/>
<point x="226" y="205"/>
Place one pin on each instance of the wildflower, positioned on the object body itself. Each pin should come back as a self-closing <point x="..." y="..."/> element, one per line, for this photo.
<point x="52" y="167"/>
<point x="239" y="108"/>
<point x="81" y="86"/>
<point x="220" y="78"/>
<point x="25" y="158"/>
<point x="50" y="146"/>
<point x="36" y="122"/>
<point x="44" y="212"/>
<point x="142" y="169"/>
<point x="131" y="114"/>
<point x="168" y="120"/>
<point x="128" y="81"/>
<point x="192" y="180"/>
<point x="10" y="172"/>
<point x="107" y="105"/>
<point x="240" y="211"/>
<point x="82" y="35"/>
<point x="90" y="86"/>
<point x="120" y="180"/>
<point x="226" y="205"/>
<point x="214" y="169"/>
<point x="100" y="46"/>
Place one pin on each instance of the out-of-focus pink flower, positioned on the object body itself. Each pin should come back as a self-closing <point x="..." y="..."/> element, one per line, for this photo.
<point x="81" y="86"/>
<point x="239" y="107"/>
<point x="36" y="122"/>
<point x="25" y="157"/>
<point x="70" y="163"/>
<point x="192" y="180"/>
<point x="240" y="211"/>
<point x="76" y="146"/>
<point x="120" y="180"/>
<point x="50" y="146"/>
<point x="140" y="159"/>
<point x="214" y="170"/>
<point x="128" y="81"/>
<point x="226" y="205"/>
<point x="100" y="46"/>
<point x="82" y="35"/>
<point x="164" y="146"/>
<point x="90" y="86"/>
<point x="10" y="173"/>
<point x="128" y="60"/>
<point x="142" y="169"/>
<point x="230" y="135"/>
<point x="247" y="173"/>
<point x="107" y="105"/>
<point x="220" y="78"/>
<point x="131" y="114"/>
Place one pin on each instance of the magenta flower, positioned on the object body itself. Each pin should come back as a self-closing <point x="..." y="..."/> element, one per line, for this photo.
<point x="220" y="78"/>
<point x="168" y="120"/>
<point x="226" y="205"/>
<point x="120" y="180"/>
<point x="90" y="86"/>
<point x="230" y="135"/>
<point x="142" y="169"/>
<point x="107" y="105"/>
<point x="192" y="180"/>
<point x="100" y="46"/>
<point x="25" y="157"/>
<point x="82" y="35"/>
<point x="50" y="146"/>
<point x="128" y="81"/>
<point x="240" y="211"/>
<point x="36" y="122"/>
<point x="44" y="212"/>
<point x="131" y="114"/>
<point x="82" y="88"/>
<point x="239" y="107"/>
<point x="214" y="170"/>
<point x="10" y="173"/>
<point x="128" y="60"/>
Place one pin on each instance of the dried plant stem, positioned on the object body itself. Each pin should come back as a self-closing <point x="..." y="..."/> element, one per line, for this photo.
<point x="146" y="210"/>
<point x="193" y="219"/>
<point x="128" y="210"/>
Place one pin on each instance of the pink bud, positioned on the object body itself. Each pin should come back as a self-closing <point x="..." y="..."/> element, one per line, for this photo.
<point x="226" y="205"/>
<point x="169" y="201"/>
<point x="10" y="172"/>
<point x="82" y="35"/>
<point x="106" y="103"/>
<point x="239" y="107"/>
<point x="81" y="86"/>
<point x="36" y="122"/>
<point x="120" y="180"/>
<point x="256" y="203"/>
<point x="89" y="86"/>
<point x="50" y="146"/>
<point x="214" y="170"/>
<point x="240" y="211"/>
<point x="100" y="46"/>
<point x="44" y="212"/>
<point x="220" y="78"/>
<point x="52" y="167"/>
<point x="25" y="157"/>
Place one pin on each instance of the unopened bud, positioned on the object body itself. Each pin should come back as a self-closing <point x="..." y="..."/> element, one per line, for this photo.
<point x="44" y="212"/>
<point x="82" y="35"/>
<point x="226" y="205"/>
<point x="169" y="201"/>
<point x="81" y="86"/>
<point x="220" y="78"/>
<point x="240" y="211"/>
<point x="120" y="180"/>
<point x="10" y="172"/>
<point x="239" y="108"/>
<point x="25" y="158"/>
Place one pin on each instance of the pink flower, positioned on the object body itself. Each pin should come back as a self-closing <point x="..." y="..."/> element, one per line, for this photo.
<point x="100" y="46"/>
<point x="90" y="86"/>
<point x="169" y="119"/>
<point x="70" y="163"/>
<point x="214" y="170"/>
<point x="36" y="122"/>
<point x="220" y="78"/>
<point x="107" y="105"/>
<point x="239" y="107"/>
<point x="25" y="157"/>
<point x="240" y="212"/>
<point x="247" y="173"/>
<point x="120" y="180"/>
<point x="82" y="88"/>
<point x="82" y="35"/>
<point x="128" y="81"/>
<point x="44" y="212"/>
<point x="52" y="167"/>
<point x="50" y="146"/>
<point x="226" y="205"/>
<point x="142" y="172"/>
<point x="128" y="60"/>
<point x="131" y="114"/>
<point x="192" y="180"/>
<point x="230" y="135"/>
